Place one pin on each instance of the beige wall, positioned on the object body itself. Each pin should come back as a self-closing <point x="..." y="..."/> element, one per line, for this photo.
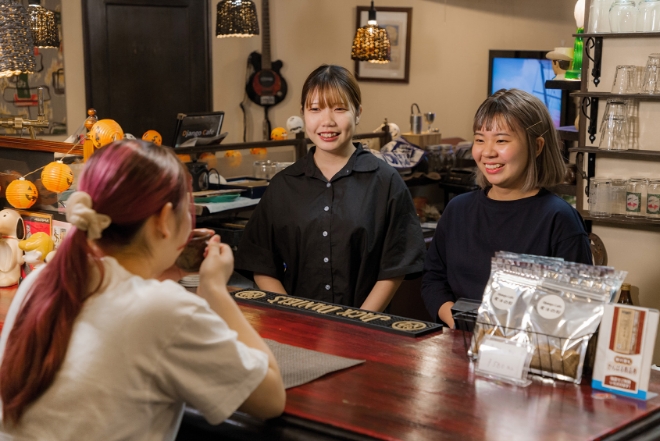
<point x="449" y="56"/>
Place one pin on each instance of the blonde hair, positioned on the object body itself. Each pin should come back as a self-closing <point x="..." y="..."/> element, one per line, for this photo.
<point x="525" y="114"/>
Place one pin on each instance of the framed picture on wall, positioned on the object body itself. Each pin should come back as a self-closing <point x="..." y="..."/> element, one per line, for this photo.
<point x="397" y="22"/>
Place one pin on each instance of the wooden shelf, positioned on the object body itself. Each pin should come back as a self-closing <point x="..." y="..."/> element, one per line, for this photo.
<point x="651" y="155"/>
<point x="39" y="145"/>
<point x="639" y="96"/>
<point x="563" y="84"/>
<point x="619" y="220"/>
<point x="621" y="35"/>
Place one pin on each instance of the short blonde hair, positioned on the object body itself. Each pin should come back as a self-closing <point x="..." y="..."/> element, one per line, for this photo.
<point x="525" y="114"/>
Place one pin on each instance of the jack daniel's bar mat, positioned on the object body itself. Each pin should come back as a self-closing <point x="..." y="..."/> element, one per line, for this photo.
<point x="374" y="320"/>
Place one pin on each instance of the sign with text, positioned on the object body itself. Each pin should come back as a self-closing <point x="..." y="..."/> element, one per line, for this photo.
<point x="504" y="359"/>
<point x="376" y="320"/>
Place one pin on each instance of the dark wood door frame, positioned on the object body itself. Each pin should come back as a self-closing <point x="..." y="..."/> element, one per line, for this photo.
<point x="96" y="50"/>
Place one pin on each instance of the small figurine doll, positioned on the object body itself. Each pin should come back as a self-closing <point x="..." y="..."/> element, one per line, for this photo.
<point x="561" y="60"/>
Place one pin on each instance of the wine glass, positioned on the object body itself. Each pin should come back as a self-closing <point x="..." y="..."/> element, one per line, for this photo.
<point x="429" y="117"/>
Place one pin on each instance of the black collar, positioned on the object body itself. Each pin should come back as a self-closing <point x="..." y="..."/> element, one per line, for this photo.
<point x="360" y="161"/>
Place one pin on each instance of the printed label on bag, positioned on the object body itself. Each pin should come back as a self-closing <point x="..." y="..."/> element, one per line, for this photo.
<point x="633" y="202"/>
<point x="551" y="307"/>
<point x="653" y="204"/>
<point x="504" y="297"/>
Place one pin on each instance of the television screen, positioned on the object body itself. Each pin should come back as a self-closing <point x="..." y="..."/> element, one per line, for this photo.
<point x="526" y="70"/>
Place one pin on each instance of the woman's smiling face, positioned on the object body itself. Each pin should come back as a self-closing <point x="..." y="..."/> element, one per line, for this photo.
<point x="330" y="126"/>
<point x="502" y="156"/>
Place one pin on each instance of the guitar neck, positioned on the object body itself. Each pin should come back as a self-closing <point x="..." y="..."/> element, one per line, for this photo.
<point x="266" y="62"/>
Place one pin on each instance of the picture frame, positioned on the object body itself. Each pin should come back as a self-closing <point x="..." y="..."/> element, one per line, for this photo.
<point x="398" y="23"/>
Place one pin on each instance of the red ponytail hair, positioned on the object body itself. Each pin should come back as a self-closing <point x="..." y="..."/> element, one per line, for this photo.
<point x="127" y="180"/>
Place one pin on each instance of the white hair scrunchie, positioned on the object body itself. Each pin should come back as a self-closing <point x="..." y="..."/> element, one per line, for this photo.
<point x="80" y="214"/>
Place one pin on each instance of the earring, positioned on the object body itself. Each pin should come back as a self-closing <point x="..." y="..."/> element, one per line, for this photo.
<point x="357" y="121"/>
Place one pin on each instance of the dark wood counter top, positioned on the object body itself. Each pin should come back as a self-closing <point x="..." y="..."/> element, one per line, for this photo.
<point x="422" y="389"/>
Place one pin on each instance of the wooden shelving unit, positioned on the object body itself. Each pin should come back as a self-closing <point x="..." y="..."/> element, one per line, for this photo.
<point x="618" y="220"/>
<point x="563" y="84"/>
<point x="606" y="95"/>
<point x="650" y="155"/>
<point x="620" y="35"/>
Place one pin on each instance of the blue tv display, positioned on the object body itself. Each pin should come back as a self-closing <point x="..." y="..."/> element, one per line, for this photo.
<point x="526" y="70"/>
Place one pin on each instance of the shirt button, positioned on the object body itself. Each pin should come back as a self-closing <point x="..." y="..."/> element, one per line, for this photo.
<point x="328" y="184"/>
<point x="326" y="208"/>
<point x="325" y="233"/>
<point x="327" y="287"/>
<point x="326" y="260"/>
<point x="348" y="171"/>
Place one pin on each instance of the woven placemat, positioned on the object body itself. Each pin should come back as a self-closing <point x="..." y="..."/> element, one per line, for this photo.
<point x="299" y="366"/>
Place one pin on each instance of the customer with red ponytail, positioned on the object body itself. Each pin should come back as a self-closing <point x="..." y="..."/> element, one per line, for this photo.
<point x="95" y="347"/>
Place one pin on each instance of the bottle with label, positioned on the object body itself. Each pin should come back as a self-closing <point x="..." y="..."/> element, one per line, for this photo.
<point x="624" y="297"/>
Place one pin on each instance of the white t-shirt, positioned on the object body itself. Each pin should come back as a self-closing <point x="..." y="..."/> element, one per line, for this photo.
<point x="139" y="350"/>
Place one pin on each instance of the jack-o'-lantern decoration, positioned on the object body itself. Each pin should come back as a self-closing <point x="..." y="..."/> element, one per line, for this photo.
<point x="278" y="134"/>
<point x="153" y="136"/>
<point x="6" y="177"/>
<point x="104" y="132"/>
<point x="235" y="157"/>
<point x="259" y="151"/>
<point x="21" y="193"/>
<point x="210" y="159"/>
<point x="57" y="177"/>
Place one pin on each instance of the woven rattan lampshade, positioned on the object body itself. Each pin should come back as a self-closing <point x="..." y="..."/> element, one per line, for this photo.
<point x="371" y="42"/>
<point x="236" y="18"/>
<point x="43" y="26"/>
<point x="16" y="45"/>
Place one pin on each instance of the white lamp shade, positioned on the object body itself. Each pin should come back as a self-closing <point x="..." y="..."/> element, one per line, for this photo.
<point x="578" y="13"/>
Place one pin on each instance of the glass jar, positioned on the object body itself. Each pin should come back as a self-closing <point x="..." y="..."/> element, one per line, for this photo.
<point x="599" y="197"/>
<point x="434" y="154"/>
<point x="599" y="20"/>
<point x="653" y="199"/>
<point x="448" y="157"/>
<point x="260" y="169"/>
<point x="648" y="16"/>
<point x="635" y="197"/>
<point x="623" y="16"/>
<point x="618" y="196"/>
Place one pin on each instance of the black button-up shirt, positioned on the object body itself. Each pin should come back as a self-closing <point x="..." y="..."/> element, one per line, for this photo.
<point x="332" y="241"/>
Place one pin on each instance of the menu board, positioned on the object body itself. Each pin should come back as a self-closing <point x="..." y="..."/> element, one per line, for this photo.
<point x="198" y="129"/>
<point x="356" y="316"/>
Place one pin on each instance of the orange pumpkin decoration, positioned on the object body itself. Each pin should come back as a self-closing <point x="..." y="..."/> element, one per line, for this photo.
<point x="21" y="193"/>
<point x="184" y="158"/>
<point x="57" y="177"/>
<point x="259" y="151"/>
<point x="235" y="157"/>
<point x="153" y="136"/>
<point x="210" y="159"/>
<point x="104" y="132"/>
<point x="278" y="134"/>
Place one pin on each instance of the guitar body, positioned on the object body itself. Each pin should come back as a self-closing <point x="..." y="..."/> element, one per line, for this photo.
<point x="265" y="87"/>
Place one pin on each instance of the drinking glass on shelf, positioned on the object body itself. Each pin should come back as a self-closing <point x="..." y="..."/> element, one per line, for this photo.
<point x="600" y="197"/>
<point x="618" y="196"/>
<point x="614" y="128"/>
<point x="653" y="199"/>
<point x="635" y="197"/>
<point x="648" y="16"/>
<point x="623" y="16"/>
<point x="650" y="83"/>
<point x="632" y="119"/>
<point x="599" y="20"/>
<point x="624" y="79"/>
<point x="260" y="169"/>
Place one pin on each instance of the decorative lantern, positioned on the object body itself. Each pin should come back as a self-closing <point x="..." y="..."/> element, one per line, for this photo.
<point x="57" y="177"/>
<point x="153" y="136"/>
<point x="210" y="159"/>
<point x="104" y="132"/>
<point x="21" y="193"/>
<point x="259" y="151"/>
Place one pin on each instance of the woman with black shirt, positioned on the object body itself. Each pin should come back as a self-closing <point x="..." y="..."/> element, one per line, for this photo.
<point x="339" y="225"/>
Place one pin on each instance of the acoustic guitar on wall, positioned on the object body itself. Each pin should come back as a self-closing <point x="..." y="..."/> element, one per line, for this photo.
<point x="266" y="87"/>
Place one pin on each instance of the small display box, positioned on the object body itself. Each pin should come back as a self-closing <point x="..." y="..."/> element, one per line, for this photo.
<point x="253" y="188"/>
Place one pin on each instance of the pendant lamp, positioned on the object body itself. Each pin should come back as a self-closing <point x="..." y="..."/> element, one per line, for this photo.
<point x="16" y="45"/>
<point x="236" y="18"/>
<point x="43" y="26"/>
<point x="371" y="42"/>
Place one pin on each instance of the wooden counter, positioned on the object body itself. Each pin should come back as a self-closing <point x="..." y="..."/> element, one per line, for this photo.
<point x="420" y="389"/>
